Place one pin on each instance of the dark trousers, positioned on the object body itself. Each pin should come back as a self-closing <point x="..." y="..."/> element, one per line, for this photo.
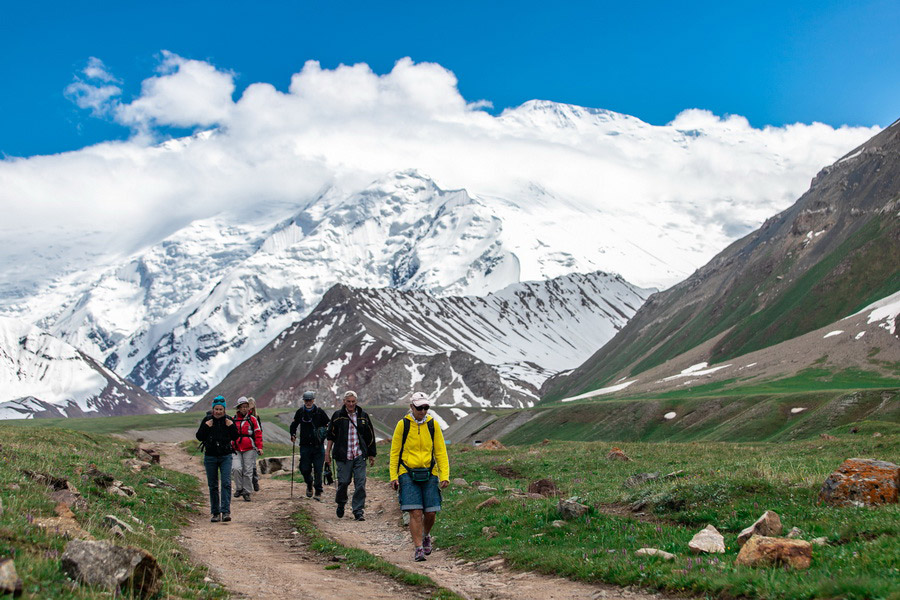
<point x="312" y="460"/>
<point x="218" y="478"/>
<point x="356" y="470"/>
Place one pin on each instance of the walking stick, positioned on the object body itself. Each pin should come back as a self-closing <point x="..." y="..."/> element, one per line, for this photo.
<point x="292" y="470"/>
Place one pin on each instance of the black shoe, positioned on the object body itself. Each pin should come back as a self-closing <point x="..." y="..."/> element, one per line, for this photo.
<point x="215" y="519"/>
<point x="318" y="497"/>
<point x="255" y="486"/>
<point x="309" y="490"/>
<point x="238" y="493"/>
<point x="226" y="517"/>
<point x="340" y="511"/>
<point x="359" y="517"/>
<point x="246" y="496"/>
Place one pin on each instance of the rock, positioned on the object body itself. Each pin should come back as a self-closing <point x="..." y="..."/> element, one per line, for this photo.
<point x="120" y="489"/>
<point x="270" y="464"/>
<point x="708" y="540"/>
<point x="147" y="455"/>
<point x="876" y="434"/>
<point x="795" y="533"/>
<point x="674" y="474"/>
<point x="545" y="442"/>
<point x="534" y="496"/>
<point x="617" y="454"/>
<point x="763" y="551"/>
<point x="135" y="464"/>
<point x="640" y="478"/>
<point x="486" y="488"/>
<point x="571" y="508"/>
<point x="544" y="487"/>
<point x="9" y="579"/>
<point x="65" y="526"/>
<point x="109" y="566"/>
<point x="459" y="481"/>
<point x="160" y="483"/>
<point x="62" y="510"/>
<point x="819" y="541"/>
<point x="769" y="524"/>
<point x="111" y="521"/>
<point x="861" y="482"/>
<point x="513" y="490"/>
<point x="826" y="436"/>
<point x="100" y="479"/>
<point x="491" y="445"/>
<point x="639" y="505"/>
<point x="71" y="497"/>
<point x="558" y="524"/>
<point x="57" y="483"/>
<point x="655" y="552"/>
<point x="404" y="520"/>
<point x="492" y="501"/>
<point x="489" y="532"/>
<point x="117" y="531"/>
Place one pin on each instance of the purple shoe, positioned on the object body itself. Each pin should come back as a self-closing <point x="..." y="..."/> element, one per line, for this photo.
<point x="426" y="545"/>
<point x="419" y="556"/>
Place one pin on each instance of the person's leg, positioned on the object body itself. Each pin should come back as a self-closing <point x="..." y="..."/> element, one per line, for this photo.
<point x="255" y="478"/>
<point x="224" y="467"/>
<point x="249" y="460"/>
<point x="318" y="461"/>
<point x="416" y="527"/>
<point x="344" y="474"/>
<point x="306" y="463"/>
<point x="431" y="498"/>
<point x="212" y="480"/>
<point x="236" y="474"/>
<point x="429" y="522"/>
<point x="359" y="486"/>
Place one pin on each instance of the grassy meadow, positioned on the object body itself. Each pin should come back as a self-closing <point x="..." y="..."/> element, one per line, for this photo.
<point x="67" y="454"/>
<point x="728" y="485"/>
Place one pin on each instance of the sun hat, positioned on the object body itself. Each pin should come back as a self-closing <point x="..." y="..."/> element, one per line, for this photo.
<point x="241" y="400"/>
<point x="419" y="399"/>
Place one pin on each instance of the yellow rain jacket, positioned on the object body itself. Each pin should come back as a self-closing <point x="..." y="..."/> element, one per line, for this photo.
<point x="417" y="450"/>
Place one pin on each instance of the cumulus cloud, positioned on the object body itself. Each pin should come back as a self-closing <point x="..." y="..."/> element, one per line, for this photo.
<point x="702" y="179"/>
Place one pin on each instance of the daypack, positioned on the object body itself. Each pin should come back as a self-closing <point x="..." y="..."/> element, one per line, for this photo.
<point x="420" y="474"/>
<point x="249" y="420"/>
<point x="220" y="447"/>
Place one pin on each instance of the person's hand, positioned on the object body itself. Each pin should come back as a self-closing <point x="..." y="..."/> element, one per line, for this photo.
<point x="444" y="484"/>
<point x="327" y="460"/>
<point x="395" y="484"/>
<point x="228" y="422"/>
<point x="260" y="452"/>
<point x="293" y="438"/>
<point x="209" y="423"/>
<point x="371" y="461"/>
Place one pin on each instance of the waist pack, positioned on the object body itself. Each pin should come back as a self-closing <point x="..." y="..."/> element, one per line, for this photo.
<point x="420" y="475"/>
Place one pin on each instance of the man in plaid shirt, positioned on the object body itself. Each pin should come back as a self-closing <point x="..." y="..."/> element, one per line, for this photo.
<point x="351" y="441"/>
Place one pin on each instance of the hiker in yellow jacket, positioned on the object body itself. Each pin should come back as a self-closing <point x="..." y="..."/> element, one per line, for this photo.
<point x="420" y="469"/>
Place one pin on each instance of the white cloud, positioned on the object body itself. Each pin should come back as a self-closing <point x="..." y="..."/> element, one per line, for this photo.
<point x="701" y="180"/>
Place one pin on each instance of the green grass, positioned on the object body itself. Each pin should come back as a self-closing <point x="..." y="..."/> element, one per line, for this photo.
<point x="66" y="454"/>
<point x="360" y="559"/>
<point x="725" y="484"/>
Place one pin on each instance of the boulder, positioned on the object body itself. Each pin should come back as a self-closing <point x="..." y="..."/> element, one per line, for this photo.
<point x="617" y="454"/>
<point x="861" y="482"/>
<point x="147" y="455"/>
<point x="9" y="579"/>
<point x="492" y="501"/>
<point x="655" y="552"/>
<point x="270" y="464"/>
<point x="640" y="478"/>
<point x="768" y="524"/>
<point x="460" y="482"/>
<point x="708" y="540"/>
<point x="764" y="551"/>
<point x="544" y="487"/>
<point x="112" y="567"/>
<point x="111" y="521"/>
<point x="571" y="508"/>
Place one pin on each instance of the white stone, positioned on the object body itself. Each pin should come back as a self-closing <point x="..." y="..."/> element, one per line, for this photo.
<point x="708" y="540"/>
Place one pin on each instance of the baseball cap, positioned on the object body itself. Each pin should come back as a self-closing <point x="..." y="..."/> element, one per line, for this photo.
<point x="419" y="399"/>
<point x="350" y="394"/>
<point x="241" y="400"/>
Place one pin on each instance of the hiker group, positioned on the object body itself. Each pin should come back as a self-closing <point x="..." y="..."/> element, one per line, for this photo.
<point x="419" y="466"/>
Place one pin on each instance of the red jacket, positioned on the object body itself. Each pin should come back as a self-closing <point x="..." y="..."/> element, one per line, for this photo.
<point x="249" y="434"/>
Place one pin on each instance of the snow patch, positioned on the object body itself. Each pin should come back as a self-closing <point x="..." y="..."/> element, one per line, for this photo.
<point x="669" y="416"/>
<point x="601" y="391"/>
<point x="833" y="333"/>
<point x="798" y="409"/>
<point x="698" y="369"/>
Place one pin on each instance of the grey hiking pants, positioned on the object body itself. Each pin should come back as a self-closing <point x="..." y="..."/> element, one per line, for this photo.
<point x="355" y="469"/>
<point x="242" y="470"/>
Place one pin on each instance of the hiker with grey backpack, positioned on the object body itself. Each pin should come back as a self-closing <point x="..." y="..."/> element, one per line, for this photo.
<point x="310" y="425"/>
<point x="419" y="469"/>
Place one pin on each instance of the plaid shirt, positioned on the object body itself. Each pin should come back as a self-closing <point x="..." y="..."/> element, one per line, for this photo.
<point x="352" y="438"/>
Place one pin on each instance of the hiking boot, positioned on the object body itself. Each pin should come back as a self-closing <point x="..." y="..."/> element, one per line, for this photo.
<point x="426" y="544"/>
<point x="419" y="555"/>
<point x="255" y="486"/>
<point x="318" y="497"/>
<point x="246" y="496"/>
<point x="226" y="517"/>
<point x="359" y="517"/>
<point x="215" y="518"/>
<point x="238" y="493"/>
<point x="309" y="490"/>
<point x="340" y="511"/>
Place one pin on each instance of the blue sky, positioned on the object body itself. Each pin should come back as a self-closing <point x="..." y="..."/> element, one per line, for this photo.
<point x="772" y="62"/>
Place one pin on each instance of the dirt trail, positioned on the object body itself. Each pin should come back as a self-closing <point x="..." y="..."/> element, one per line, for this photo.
<point x="282" y="566"/>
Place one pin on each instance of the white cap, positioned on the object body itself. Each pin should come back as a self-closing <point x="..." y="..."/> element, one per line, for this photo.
<point x="349" y="394"/>
<point x="419" y="399"/>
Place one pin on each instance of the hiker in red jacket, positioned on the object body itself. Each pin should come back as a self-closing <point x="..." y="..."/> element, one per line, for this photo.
<point x="248" y="446"/>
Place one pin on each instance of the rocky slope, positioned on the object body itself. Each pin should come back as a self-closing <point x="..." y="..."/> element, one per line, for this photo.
<point x="832" y="253"/>
<point x="494" y="350"/>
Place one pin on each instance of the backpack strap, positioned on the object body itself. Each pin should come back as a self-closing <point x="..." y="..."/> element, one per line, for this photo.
<point x="406" y="426"/>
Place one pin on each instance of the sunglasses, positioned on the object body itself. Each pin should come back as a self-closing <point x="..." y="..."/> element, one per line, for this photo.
<point x="426" y="407"/>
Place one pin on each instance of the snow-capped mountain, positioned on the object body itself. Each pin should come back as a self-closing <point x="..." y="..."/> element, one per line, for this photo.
<point x="42" y="376"/>
<point x="493" y="350"/>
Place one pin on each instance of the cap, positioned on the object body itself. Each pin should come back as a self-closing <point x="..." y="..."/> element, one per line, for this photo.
<point x="309" y="395"/>
<point x="350" y="394"/>
<point x="241" y="400"/>
<point x="219" y="400"/>
<point x="419" y="399"/>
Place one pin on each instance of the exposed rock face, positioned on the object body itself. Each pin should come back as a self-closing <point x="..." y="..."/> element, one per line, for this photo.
<point x="862" y="482"/>
<point x="768" y="524"/>
<point x="571" y="508"/>
<point x="544" y="487"/>
<point x="707" y="540"/>
<point x="9" y="579"/>
<point x="763" y="551"/>
<point x="109" y="566"/>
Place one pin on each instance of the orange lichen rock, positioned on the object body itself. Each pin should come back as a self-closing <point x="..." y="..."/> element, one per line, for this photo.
<point x="862" y="482"/>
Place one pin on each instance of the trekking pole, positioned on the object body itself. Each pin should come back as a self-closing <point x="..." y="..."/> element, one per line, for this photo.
<point x="292" y="470"/>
